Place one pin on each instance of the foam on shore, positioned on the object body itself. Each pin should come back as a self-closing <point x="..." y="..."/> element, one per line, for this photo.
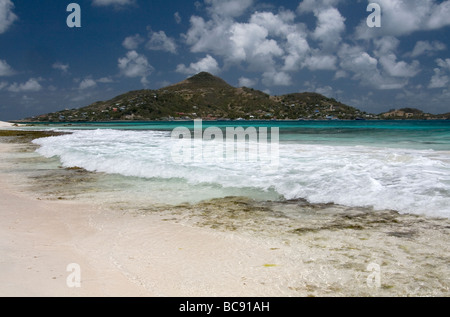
<point x="5" y="124"/>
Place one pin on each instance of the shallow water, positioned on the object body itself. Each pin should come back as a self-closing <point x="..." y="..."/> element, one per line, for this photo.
<point x="403" y="166"/>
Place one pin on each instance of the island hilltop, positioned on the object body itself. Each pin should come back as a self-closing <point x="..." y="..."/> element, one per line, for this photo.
<point x="208" y="97"/>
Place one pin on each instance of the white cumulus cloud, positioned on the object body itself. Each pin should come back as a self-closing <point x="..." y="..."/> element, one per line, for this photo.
<point x="321" y="62"/>
<point x="133" y="42"/>
<point x="281" y="24"/>
<point x="316" y="5"/>
<point x="87" y="83"/>
<point x="159" y="41"/>
<point x="439" y="80"/>
<point x="247" y="82"/>
<point x="385" y="49"/>
<point x="427" y="48"/>
<point x="441" y="77"/>
<point x="249" y="43"/>
<point x="366" y="69"/>
<point x="202" y="35"/>
<point x="7" y="16"/>
<point x="5" y="69"/>
<point x="443" y="63"/>
<point x="330" y="26"/>
<point x="229" y="8"/>
<point x="135" y="65"/>
<point x="32" y="85"/>
<point x="401" y="17"/>
<point x="240" y="43"/>
<point x="177" y="17"/>
<point x="274" y="78"/>
<point x="399" y="68"/>
<point x="60" y="66"/>
<point x="207" y="64"/>
<point x="298" y="50"/>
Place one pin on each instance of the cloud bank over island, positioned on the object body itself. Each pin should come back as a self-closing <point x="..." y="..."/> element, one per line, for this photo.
<point x="278" y="47"/>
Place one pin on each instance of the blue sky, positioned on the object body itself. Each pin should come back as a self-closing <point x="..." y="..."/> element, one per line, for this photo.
<point x="279" y="47"/>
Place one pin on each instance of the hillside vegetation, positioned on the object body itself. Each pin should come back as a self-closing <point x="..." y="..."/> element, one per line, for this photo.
<point x="208" y="97"/>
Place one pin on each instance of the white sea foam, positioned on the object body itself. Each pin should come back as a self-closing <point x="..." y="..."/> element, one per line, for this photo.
<point x="406" y="180"/>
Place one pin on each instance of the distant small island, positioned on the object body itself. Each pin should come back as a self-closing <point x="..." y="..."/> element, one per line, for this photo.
<point x="413" y="114"/>
<point x="208" y="97"/>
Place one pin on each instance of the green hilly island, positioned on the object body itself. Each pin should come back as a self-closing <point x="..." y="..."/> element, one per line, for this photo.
<point x="208" y="97"/>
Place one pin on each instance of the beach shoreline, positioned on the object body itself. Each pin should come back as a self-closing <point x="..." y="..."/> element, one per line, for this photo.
<point x="161" y="254"/>
<point x="120" y="254"/>
<point x="41" y="238"/>
<point x="4" y="124"/>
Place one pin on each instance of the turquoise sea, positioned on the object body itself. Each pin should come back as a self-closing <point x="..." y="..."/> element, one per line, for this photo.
<point x="411" y="134"/>
<point x="394" y="165"/>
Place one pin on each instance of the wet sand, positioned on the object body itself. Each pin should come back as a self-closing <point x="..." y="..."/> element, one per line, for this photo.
<point x="224" y="247"/>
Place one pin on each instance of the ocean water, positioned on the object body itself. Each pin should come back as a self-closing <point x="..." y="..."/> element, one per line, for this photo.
<point x="394" y="165"/>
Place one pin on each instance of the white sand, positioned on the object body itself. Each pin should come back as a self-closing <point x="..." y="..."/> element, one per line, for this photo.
<point x="119" y="254"/>
<point x="5" y="124"/>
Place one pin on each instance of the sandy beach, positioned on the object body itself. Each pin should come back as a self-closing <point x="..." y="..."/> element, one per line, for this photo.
<point x="199" y="250"/>
<point x="5" y="124"/>
<point x="119" y="254"/>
